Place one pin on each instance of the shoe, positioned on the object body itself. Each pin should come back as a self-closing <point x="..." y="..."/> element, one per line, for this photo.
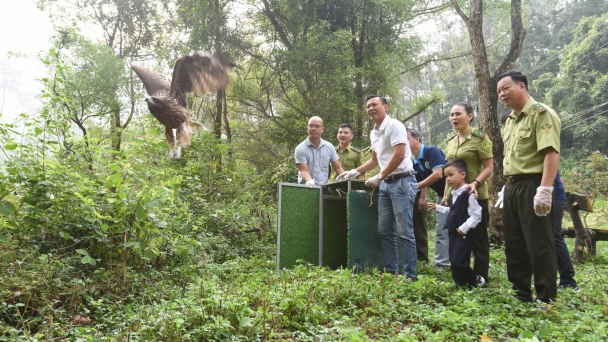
<point x="481" y="282"/>
<point x="441" y="268"/>
<point x="570" y="286"/>
<point x="410" y="279"/>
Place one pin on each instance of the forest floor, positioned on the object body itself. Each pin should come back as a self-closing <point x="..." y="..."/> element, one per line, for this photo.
<point x="246" y="299"/>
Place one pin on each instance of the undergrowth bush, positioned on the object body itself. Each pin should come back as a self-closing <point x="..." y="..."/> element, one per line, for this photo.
<point x="130" y="246"/>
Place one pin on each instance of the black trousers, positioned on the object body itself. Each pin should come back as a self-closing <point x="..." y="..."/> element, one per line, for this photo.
<point x="420" y="233"/>
<point x="460" y="258"/>
<point x="564" y="264"/>
<point x="481" y="243"/>
<point x="529" y="242"/>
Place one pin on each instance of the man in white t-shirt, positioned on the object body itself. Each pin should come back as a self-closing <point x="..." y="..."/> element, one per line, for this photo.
<point x="397" y="183"/>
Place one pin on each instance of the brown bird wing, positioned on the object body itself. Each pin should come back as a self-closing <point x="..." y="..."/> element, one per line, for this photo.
<point x="199" y="72"/>
<point x="154" y="83"/>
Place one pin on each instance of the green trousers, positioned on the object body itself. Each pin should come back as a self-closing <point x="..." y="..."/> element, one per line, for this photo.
<point x="529" y="242"/>
<point x="420" y="233"/>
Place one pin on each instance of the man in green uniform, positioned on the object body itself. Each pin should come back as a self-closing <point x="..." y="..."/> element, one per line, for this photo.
<point x="350" y="157"/>
<point x="475" y="149"/>
<point x="366" y="154"/>
<point x="531" y="139"/>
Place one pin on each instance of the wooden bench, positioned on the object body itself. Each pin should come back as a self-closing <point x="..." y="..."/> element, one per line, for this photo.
<point x="584" y="236"/>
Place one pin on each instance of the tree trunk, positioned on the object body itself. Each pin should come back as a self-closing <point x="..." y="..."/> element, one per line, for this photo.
<point x="486" y="89"/>
<point x="226" y="122"/>
<point x="116" y="129"/>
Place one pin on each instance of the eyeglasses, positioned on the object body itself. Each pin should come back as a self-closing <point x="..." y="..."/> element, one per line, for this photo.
<point x="315" y="126"/>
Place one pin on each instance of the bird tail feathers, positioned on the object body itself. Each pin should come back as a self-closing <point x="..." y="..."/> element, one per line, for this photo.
<point x="184" y="134"/>
<point x="196" y="125"/>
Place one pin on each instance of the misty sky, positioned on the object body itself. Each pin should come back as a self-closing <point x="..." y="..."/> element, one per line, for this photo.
<point x="26" y="31"/>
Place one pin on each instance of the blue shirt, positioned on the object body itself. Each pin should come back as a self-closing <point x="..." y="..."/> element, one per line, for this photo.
<point x="429" y="159"/>
<point x="317" y="159"/>
<point x="558" y="188"/>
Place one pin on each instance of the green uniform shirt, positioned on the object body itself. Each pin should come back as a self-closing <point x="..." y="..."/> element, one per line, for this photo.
<point x="525" y="136"/>
<point x="475" y="147"/>
<point x="350" y="159"/>
<point x="366" y="154"/>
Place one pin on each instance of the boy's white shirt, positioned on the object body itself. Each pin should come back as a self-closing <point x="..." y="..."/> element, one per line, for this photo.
<point x="473" y="208"/>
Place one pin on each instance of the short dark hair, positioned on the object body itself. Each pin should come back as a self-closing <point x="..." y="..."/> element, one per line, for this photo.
<point x="516" y="76"/>
<point x="458" y="164"/>
<point x="415" y="135"/>
<point x="346" y="125"/>
<point x="468" y="108"/>
<point x="382" y="98"/>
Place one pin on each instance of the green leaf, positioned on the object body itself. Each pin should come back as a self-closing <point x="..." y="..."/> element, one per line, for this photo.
<point x="128" y="244"/>
<point x="88" y="260"/>
<point x="66" y="236"/>
<point x="544" y="332"/>
<point x="526" y="334"/>
<point x="10" y="146"/>
<point x="104" y="227"/>
<point x="82" y="251"/>
<point x="141" y="212"/>
<point x="38" y="131"/>
<point x="6" y="208"/>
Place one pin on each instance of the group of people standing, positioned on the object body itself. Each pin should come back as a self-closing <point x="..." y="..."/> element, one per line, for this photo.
<point x="403" y="169"/>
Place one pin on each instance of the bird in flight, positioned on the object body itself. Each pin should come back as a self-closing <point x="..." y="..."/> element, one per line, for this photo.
<point x="198" y="72"/>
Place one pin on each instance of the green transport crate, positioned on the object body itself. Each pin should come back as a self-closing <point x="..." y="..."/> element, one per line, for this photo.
<point x="335" y="225"/>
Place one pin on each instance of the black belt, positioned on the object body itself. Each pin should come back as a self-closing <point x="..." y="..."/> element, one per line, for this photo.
<point x="517" y="178"/>
<point x="397" y="176"/>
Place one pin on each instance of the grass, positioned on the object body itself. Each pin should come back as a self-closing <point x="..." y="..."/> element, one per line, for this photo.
<point x="245" y="299"/>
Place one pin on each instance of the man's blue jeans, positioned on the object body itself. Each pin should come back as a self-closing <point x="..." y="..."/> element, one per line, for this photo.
<point x="395" y="223"/>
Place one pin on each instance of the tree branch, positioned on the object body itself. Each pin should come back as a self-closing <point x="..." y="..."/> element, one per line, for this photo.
<point x="437" y="60"/>
<point x="460" y="12"/>
<point x="517" y="39"/>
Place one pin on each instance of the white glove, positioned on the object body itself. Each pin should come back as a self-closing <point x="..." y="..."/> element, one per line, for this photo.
<point x="501" y="195"/>
<point x="348" y="174"/>
<point x="542" y="200"/>
<point x="310" y="183"/>
<point x="374" y="182"/>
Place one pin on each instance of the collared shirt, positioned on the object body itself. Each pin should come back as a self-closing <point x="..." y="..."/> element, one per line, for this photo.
<point x="317" y="159"/>
<point x="350" y="159"/>
<point x="428" y="160"/>
<point x="366" y="154"/>
<point x="474" y="210"/>
<point x="390" y="133"/>
<point x="526" y="135"/>
<point x="475" y="147"/>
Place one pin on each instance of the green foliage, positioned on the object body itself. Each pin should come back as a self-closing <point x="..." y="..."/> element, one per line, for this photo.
<point x="582" y="84"/>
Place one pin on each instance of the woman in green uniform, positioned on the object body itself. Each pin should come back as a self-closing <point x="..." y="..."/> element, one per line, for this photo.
<point x="475" y="148"/>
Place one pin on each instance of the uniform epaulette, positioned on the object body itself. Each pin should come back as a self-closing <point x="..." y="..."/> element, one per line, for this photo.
<point x="539" y="107"/>
<point x="452" y="137"/>
<point x="355" y="149"/>
<point x="365" y="149"/>
<point x="478" y="134"/>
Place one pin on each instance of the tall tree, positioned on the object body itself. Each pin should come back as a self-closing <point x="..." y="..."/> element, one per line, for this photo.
<point x="82" y="86"/>
<point x="129" y="27"/>
<point x="207" y="24"/>
<point x="486" y="83"/>
<point x="327" y="55"/>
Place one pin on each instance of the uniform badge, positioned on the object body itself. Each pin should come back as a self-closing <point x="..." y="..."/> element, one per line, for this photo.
<point x="427" y="165"/>
<point x="546" y="128"/>
<point x="487" y="145"/>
